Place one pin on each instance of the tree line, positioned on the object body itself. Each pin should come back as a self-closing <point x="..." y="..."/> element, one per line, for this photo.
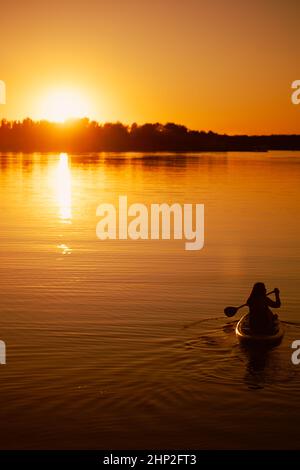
<point x="83" y="135"/>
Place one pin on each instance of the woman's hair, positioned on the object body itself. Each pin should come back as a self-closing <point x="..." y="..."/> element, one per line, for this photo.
<point x="259" y="290"/>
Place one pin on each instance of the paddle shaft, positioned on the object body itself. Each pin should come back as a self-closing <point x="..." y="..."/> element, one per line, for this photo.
<point x="244" y="305"/>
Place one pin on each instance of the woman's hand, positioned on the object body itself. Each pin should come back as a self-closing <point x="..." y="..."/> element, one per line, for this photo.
<point x="277" y="291"/>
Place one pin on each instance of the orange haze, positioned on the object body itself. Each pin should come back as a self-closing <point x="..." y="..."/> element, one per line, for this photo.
<point x="209" y="64"/>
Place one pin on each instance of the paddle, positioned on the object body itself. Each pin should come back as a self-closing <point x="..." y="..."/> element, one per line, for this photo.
<point x="230" y="311"/>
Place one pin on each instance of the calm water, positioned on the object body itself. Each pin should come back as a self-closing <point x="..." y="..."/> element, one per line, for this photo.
<point x="122" y="344"/>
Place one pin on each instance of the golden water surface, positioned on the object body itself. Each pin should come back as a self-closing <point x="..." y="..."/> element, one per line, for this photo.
<point x="124" y="344"/>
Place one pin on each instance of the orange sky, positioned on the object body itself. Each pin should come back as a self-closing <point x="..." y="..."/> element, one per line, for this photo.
<point x="209" y="64"/>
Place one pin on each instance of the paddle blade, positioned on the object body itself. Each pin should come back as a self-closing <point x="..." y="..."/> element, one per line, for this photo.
<point x="230" y="311"/>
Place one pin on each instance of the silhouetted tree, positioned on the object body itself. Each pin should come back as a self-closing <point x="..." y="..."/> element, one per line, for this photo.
<point x="83" y="135"/>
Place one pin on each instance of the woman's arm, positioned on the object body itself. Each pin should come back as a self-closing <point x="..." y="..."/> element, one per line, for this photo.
<point x="277" y="302"/>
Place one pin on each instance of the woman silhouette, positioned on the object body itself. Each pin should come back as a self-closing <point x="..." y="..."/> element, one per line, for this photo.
<point x="261" y="317"/>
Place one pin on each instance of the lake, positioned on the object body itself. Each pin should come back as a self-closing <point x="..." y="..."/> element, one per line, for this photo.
<point x="124" y="344"/>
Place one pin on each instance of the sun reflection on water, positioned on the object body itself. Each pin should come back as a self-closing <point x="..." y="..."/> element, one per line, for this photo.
<point x="65" y="249"/>
<point x="64" y="188"/>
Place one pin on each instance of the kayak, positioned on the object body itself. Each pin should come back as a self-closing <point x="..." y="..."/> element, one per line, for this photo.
<point x="245" y="335"/>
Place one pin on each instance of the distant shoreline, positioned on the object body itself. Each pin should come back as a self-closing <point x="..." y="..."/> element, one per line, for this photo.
<point x="83" y="135"/>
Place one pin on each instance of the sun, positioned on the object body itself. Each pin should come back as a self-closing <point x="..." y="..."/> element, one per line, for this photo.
<point x="61" y="105"/>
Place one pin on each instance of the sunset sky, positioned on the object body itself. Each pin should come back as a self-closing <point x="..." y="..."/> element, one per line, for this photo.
<point x="209" y="64"/>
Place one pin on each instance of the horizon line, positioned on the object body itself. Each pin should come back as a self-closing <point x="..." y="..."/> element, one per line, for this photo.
<point x="129" y="126"/>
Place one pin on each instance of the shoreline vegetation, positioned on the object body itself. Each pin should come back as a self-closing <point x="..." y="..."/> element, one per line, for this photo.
<point x="83" y="135"/>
